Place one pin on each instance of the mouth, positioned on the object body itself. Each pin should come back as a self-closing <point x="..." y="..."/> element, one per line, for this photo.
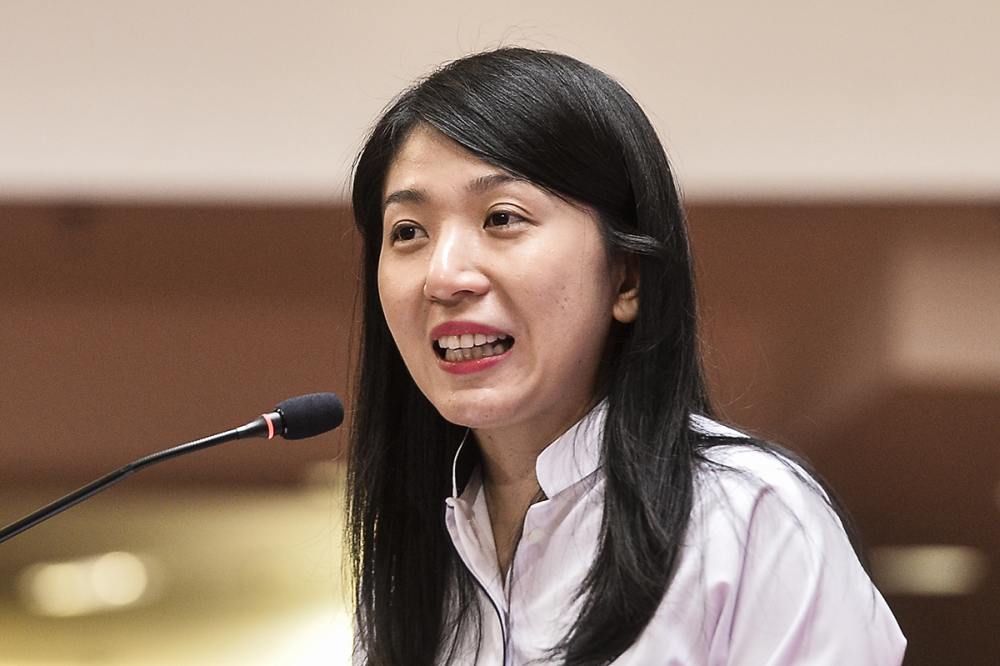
<point x="471" y="346"/>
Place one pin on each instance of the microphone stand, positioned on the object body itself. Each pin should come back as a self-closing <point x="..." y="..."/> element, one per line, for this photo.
<point x="257" y="428"/>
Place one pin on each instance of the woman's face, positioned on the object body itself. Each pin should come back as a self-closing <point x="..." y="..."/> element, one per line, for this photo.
<point x="498" y="294"/>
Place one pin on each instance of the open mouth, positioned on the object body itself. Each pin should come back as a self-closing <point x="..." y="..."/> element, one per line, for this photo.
<point x="468" y="346"/>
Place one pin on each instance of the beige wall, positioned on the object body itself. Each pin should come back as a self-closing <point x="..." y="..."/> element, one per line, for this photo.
<point x="268" y="100"/>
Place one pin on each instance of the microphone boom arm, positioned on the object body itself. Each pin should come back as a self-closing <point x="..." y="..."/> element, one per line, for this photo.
<point x="264" y="426"/>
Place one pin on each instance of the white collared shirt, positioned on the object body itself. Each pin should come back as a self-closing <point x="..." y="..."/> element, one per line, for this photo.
<point x="767" y="576"/>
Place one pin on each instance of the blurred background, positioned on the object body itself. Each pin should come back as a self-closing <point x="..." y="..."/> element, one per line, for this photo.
<point x="177" y="255"/>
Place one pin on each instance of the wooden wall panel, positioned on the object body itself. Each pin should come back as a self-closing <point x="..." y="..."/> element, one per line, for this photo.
<point x="128" y="328"/>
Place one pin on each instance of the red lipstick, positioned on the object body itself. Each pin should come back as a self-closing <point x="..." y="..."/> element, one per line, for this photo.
<point x="464" y="367"/>
<point x="461" y="327"/>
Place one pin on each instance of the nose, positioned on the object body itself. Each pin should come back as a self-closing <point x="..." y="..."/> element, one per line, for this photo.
<point x="454" y="271"/>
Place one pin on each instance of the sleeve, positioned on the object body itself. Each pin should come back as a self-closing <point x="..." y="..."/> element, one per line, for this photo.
<point x="803" y="597"/>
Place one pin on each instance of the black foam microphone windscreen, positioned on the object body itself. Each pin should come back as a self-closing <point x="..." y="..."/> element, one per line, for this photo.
<point x="309" y="415"/>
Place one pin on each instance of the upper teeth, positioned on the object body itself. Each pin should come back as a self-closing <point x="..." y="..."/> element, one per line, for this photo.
<point x="468" y="340"/>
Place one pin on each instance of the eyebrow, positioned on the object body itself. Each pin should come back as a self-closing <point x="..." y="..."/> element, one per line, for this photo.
<point x="404" y="196"/>
<point x="478" y="185"/>
<point x="492" y="180"/>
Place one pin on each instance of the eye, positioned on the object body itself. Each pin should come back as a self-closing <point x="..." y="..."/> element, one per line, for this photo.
<point x="406" y="231"/>
<point x="503" y="219"/>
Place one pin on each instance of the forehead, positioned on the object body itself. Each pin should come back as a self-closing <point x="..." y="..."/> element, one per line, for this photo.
<point x="424" y="142"/>
<point x="428" y="159"/>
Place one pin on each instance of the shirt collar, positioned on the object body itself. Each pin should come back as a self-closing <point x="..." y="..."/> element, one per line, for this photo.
<point x="576" y="454"/>
<point x="706" y="426"/>
<point x="573" y="456"/>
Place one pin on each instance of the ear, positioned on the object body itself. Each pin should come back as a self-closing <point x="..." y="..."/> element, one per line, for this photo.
<point x="626" y="306"/>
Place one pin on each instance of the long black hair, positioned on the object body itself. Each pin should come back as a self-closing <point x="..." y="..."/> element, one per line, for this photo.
<point x="573" y="131"/>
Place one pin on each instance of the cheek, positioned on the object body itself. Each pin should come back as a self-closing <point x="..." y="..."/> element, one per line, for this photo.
<point x="385" y="294"/>
<point x="394" y="300"/>
<point x="581" y="289"/>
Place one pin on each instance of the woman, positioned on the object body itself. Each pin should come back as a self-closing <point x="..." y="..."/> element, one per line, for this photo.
<point x="535" y="477"/>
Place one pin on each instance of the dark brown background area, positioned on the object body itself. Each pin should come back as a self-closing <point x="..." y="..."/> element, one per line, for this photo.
<point x="128" y="328"/>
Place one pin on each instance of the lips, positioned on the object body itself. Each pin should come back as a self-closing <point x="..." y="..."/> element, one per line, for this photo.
<point x="463" y="346"/>
<point x="463" y="327"/>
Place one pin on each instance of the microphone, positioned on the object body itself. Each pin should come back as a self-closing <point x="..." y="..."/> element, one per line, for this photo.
<point x="296" y="418"/>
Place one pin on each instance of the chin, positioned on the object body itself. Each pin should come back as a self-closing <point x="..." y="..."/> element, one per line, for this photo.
<point x="474" y="411"/>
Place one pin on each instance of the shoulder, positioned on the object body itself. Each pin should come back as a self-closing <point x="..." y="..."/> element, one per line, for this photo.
<point x="772" y="559"/>
<point x="747" y="472"/>
<point x="767" y="573"/>
<point x="739" y="474"/>
<point x="756" y="501"/>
